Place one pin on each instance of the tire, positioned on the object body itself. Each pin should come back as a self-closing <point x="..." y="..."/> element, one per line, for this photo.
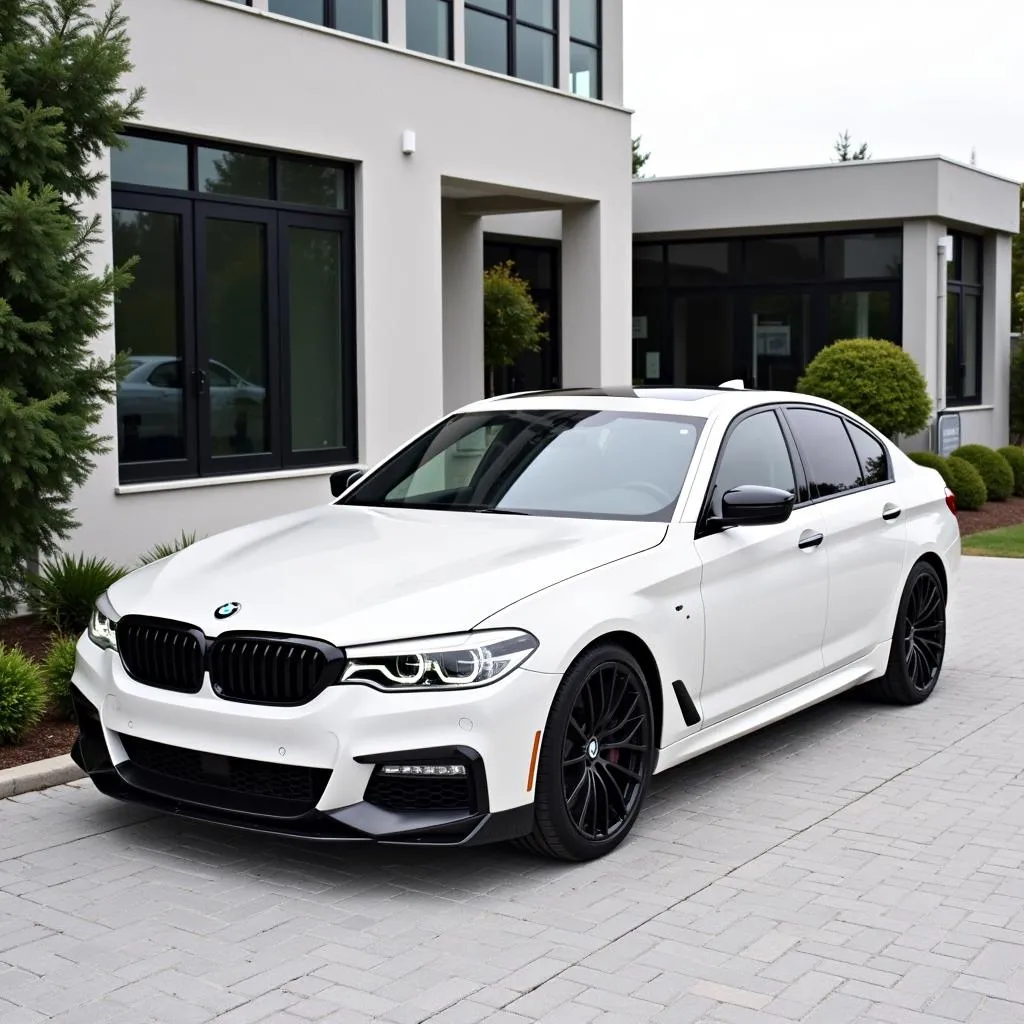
<point x="595" y="761"/>
<point x="918" y="641"/>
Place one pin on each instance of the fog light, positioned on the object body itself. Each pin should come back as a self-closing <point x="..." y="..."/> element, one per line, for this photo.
<point x="424" y="769"/>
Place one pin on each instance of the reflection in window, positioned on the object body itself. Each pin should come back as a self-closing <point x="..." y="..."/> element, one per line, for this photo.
<point x="783" y="259"/>
<point x="154" y="163"/>
<point x="360" y="17"/>
<point x="827" y="451"/>
<point x="231" y="173"/>
<point x="755" y="454"/>
<point x="860" y="315"/>
<point x="303" y="10"/>
<point x="310" y="184"/>
<point x="428" y="27"/>
<point x="874" y="463"/>
<point x="864" y="255"/>
<point x="487" y="41"/>
<point x="148" y="325"/>
<point x="513" y="36"/>
<point x="585" y="48"/>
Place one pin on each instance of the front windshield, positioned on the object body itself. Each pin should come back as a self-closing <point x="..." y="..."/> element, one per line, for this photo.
<point x="584" y="463"/>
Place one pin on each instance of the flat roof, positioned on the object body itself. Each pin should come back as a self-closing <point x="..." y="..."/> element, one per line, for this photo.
<point x="863" y="192"/>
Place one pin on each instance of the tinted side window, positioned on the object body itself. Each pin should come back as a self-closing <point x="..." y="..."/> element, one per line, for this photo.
<point x="755" y="453"/>
<point x="874" y="463"/>
<point x="831" y="462"/>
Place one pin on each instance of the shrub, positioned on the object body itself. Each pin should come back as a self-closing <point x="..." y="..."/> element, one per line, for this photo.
<point x="1014" y="455"/>
<point x="994" y="469"/>
<point x="1017" y="393"/>
<point x="877" y="380"/>
<point x="933" y="461"/>
<point x="512" y="320"/>
<point x="966" y="483"/>
<point x="64" y="593"/>
<point x="165" y="550"/>
<point x="57" y="671"/>
<point x="22" y="694"/>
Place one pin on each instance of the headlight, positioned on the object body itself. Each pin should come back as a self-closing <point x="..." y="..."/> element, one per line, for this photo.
<point x="103" y="625"/>
<point x="439" y="663"/>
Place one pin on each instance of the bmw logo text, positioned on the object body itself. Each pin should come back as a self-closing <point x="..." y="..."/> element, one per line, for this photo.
<point x="225" y="611"/>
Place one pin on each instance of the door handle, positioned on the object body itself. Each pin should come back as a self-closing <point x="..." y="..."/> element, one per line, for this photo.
<point x="200" y="377"/>
<point x="891" y="511"/>
<point x="809" y="539"/>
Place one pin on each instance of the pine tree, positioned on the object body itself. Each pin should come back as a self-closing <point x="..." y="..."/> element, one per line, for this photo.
<point x="61" y="105"/>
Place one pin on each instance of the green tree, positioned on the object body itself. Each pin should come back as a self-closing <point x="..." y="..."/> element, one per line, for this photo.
<point x="61" y="106"/>
<point x="1017" y="393"/>
<point x="1017" y="276"/>
<point x="639" y="159"/>
<point x="512" y="321"/>
<point x="874" y="379"/>
<point x="845" y="151"/>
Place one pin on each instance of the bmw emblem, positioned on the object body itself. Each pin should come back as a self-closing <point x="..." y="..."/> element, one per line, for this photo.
<point x="225" y="611"/>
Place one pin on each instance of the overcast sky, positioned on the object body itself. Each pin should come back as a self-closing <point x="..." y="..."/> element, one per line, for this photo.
<point x="742" y="84"/>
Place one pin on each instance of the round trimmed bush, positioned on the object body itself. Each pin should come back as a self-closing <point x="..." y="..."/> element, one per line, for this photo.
<point x="877" y="380"/>
<point x="994" y="469"/>
<point x="931" y="460"/>
<point x="1014" y="455"/>
<point x="22" y="694"/>
<point x="966" y="483"/>
<point x="57" y="670"/>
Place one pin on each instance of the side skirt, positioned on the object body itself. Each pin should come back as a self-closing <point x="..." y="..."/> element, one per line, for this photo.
<point x="871" y="666"/>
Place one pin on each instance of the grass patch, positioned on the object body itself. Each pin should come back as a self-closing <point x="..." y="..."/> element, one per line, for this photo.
<point x="1006" y="542"/>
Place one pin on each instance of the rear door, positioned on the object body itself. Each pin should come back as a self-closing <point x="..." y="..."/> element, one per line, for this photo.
<point x="851" y="481"/>
<point x="764" y="588"/>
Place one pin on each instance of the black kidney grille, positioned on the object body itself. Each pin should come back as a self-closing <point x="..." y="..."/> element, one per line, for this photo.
<point x="420" y="792"/>
<point x="267" y="671"/>
<point x="168" y="655"/>
<point x="301" y="787"/>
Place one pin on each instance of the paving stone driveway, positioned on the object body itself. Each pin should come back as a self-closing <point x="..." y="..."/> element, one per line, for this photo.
<point x="855" y="863"/>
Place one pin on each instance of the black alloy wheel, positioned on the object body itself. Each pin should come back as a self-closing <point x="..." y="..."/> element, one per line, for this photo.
<point x="918" y="641"/>
<point x="596" y="757"/>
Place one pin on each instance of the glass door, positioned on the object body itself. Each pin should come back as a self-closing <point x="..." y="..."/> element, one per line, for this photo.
<point x="236" y="314"/>
<point x="776" y="340"/>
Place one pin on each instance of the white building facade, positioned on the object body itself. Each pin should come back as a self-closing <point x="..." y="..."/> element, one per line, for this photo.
<point x="307" y="192"/>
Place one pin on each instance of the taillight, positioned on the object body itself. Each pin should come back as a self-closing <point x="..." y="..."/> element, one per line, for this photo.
<point x="951" y="501"/>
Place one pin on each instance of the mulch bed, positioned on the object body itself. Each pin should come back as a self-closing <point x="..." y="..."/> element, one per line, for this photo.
<point x="991" y="516"/>
<point x="52" y="736"/>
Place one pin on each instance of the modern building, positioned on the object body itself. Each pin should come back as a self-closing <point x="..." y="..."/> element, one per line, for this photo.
<point x="307" y="192"/>
<point x="316" y="186"/>
<point x="750" y="275"/>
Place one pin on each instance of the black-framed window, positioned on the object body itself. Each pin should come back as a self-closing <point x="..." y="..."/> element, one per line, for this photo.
<point x="963" y="321"/>
<point x="429" y="27"/>
<point x="239" y="327"/>
<point x="514" y="37"/>
<point x="759" y="307"/>
<point x="359" y="17"/>
<point x="585" y="48"/>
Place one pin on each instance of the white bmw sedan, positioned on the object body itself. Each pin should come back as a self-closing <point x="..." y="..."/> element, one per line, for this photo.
<point x="504" y="629"/>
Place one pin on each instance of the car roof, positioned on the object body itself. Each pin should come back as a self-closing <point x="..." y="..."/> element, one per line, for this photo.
<point x="701" y="402"/>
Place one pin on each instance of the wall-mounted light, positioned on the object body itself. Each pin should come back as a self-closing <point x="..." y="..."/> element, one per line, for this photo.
<point x="946" y="247"/>
<point x="408" y="142"/>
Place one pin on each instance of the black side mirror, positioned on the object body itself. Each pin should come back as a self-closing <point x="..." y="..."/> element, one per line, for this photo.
<point x="752" y="505"/>
<point x="343" y="479"/>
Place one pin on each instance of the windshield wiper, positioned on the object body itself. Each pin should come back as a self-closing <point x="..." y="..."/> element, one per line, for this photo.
<point x="488" y="509"/>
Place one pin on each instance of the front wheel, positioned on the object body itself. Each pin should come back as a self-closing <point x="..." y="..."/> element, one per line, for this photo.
<point x="918" y="641"/>
<point x="596" y="758"/>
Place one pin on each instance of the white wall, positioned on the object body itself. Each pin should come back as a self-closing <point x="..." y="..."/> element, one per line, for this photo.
<point x="230" y="73"/>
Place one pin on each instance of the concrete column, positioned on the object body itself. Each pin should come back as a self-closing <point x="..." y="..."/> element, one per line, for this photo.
<point x="459" y="31"/>
<point x="563" y="19"/>
<point x="396" y="23"/>
<point x="611" y="52"/>
<point x="924" y="318"/>
<point x="596" y="294"/>
<point x="462" y="306"/>
<point x="995" y="334"/>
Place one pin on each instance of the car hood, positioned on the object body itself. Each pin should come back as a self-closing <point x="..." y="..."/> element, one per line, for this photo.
<point x="354" y="575"/>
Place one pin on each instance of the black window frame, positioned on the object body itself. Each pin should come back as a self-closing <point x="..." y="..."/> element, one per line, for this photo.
<point x="329" y="19"/>
<point x="193" y="208"/>
<point x="450" y="55"/>
<point x="955" y="285"/>
<point x="512" y="20"/>
<point x="597" y="47"/>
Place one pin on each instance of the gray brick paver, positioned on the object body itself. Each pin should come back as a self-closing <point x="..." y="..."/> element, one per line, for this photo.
<point x="853" y="863"/>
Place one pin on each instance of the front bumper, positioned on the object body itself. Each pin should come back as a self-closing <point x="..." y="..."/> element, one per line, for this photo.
<point x="315" y="771"/>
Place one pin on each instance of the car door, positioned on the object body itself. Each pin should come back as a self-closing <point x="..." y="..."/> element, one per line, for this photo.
<point x="764" y="588"/>
<point x="851" y="480"/>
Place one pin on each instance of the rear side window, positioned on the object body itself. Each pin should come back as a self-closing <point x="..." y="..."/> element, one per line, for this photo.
<point x="831" y="462"/>
<point x="874" y="464"/>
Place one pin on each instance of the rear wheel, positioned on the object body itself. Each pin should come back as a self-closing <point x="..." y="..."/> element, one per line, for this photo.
<point x="596" y="758"/>
<point x="918" y="641"/>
